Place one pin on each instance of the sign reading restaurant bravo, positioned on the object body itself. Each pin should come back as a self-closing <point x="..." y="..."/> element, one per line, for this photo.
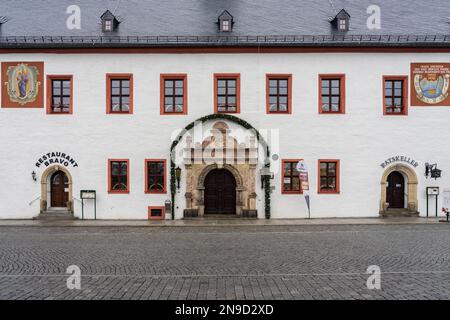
<point x="430" y="84"/>
<point x="56" y="158"/>
<point x="399" y="159"/>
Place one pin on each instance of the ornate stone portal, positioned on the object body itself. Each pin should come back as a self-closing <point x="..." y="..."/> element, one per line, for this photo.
<point x="221" y="151"/>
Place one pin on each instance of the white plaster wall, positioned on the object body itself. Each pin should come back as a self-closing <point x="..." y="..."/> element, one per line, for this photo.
<point x="361" y="139"/>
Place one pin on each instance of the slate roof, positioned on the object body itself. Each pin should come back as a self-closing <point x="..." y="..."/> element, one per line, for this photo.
<point x="147" y="23"/>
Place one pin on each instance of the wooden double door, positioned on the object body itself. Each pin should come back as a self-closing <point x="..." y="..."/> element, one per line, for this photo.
<point x="395" y="190"/>
<point x="59" y="192"/>
<point x="220" y="192"/>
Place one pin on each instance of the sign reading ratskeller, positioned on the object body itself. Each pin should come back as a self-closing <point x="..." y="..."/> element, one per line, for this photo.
<point x="430" y="84"/>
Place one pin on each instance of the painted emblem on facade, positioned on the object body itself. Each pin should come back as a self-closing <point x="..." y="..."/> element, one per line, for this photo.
<point x="22" y="84"/>
<point x="430" y="84"/>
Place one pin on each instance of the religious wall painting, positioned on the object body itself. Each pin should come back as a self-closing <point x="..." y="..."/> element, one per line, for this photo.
<point x="22" y="84"/>
<point x="430" y="84"/>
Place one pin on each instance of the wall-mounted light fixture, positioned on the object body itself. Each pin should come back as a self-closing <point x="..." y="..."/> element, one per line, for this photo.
<point x="265" y="174"/>
<point x="33" y="175"/>
<point x="178" y="176"/>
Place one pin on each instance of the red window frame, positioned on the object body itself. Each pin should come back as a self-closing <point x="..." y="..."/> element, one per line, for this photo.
<point x="287" y="77"/>
<point x="49" y="99"/>
<point x="227" y="76"/>
<point x="342" y="90"/>
<point x="163" y="209"/>
<point x="147" y="190"/>
<point x="110" y="190"/>
<point x="294" y="164"/>
<point x="404" y="95"/>
<point x="118" y="76"/>
<point x="174" y="76"/>
<point x="338" y="179"/>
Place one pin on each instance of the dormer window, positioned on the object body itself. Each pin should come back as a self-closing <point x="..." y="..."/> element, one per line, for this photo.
<point x="225" y="22"/>
<point x="341" y="21"/>
<point x="109" y="21"/>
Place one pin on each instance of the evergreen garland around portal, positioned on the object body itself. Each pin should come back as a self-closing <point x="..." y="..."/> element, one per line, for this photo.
<point x="243" y="123"/>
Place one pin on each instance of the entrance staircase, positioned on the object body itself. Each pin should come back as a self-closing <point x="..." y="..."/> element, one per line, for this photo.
<point x="397" y="213"/>
<point x="56" y="214"/>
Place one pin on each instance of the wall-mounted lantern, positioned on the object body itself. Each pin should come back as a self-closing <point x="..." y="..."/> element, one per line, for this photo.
<point x="33" y="175"/>
<point x="178" y="176"/>
<point x="431" y="171"/>
<point x="265" y="174"/>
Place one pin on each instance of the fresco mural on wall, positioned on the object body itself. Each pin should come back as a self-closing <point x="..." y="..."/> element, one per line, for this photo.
<point x="22" y="84"/>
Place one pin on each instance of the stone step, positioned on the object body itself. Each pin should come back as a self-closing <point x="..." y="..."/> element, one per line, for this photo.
<point x="56" y="215"/>
<point x="395" y="213"/>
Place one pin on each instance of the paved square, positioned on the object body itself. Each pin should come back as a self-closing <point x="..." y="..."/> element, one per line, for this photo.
<point x="271" y="262"/>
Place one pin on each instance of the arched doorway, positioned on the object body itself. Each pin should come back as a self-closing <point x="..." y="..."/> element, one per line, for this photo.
<point x="399" y="191"/>
<point x="220" y="192"/>
<point x="59" y="189"/>
<point x="48" y="188"/>
<point x="395" y="190"/>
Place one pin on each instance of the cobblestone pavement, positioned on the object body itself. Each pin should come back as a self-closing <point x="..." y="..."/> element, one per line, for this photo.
<point x="288" y="262"/>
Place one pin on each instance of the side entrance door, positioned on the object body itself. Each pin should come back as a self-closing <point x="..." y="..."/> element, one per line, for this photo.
<point x="59" y="189"/>
<point x="395" y="192"/>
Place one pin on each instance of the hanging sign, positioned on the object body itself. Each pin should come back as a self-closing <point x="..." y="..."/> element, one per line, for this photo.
<point x="56" y="158"/>
<point x="430" y="84"/>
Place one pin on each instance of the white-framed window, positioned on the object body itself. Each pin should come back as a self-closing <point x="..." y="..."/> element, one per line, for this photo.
<point x="342" y="24"/>
<point x="226" y="25"/>
<point x="108" y="25"/>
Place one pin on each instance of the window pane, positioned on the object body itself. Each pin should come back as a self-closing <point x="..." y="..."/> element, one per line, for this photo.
<point x="272" y="83"/>
<point x="115" y="91"/>
<point x="231" y="100"/>
<point x="287" y="168"/>
<point x="325" y="83"/>
<point x="179" y="83"/>
<point x="168" y="83"/>
<point x="168" y="91"/>
<point x="115" y="83"/>
<point x="388" y="101"/>
<point x="335" y="83"/>
<point x="221" y="100"/>
<point x="231" y="83"/>
<point x="326" y="90"/>
<point x="231" y="90"/>
<point x="335" y="91"/>
<point x="126" y="91"/>
<point x="332" y="168"/>
<point x="179" y="101"/>
<point x="273" y="91"/>
<point x="221" y="83"/>
<point x="283" y="83"/>
<point x="388" y="84"/>
<point x="398" y="84"/>
<point x="221" y="90"/>
<point x="179" y="91"/>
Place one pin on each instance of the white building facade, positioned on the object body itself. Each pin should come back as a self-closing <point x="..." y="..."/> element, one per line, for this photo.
<point x="364" y="120"/>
